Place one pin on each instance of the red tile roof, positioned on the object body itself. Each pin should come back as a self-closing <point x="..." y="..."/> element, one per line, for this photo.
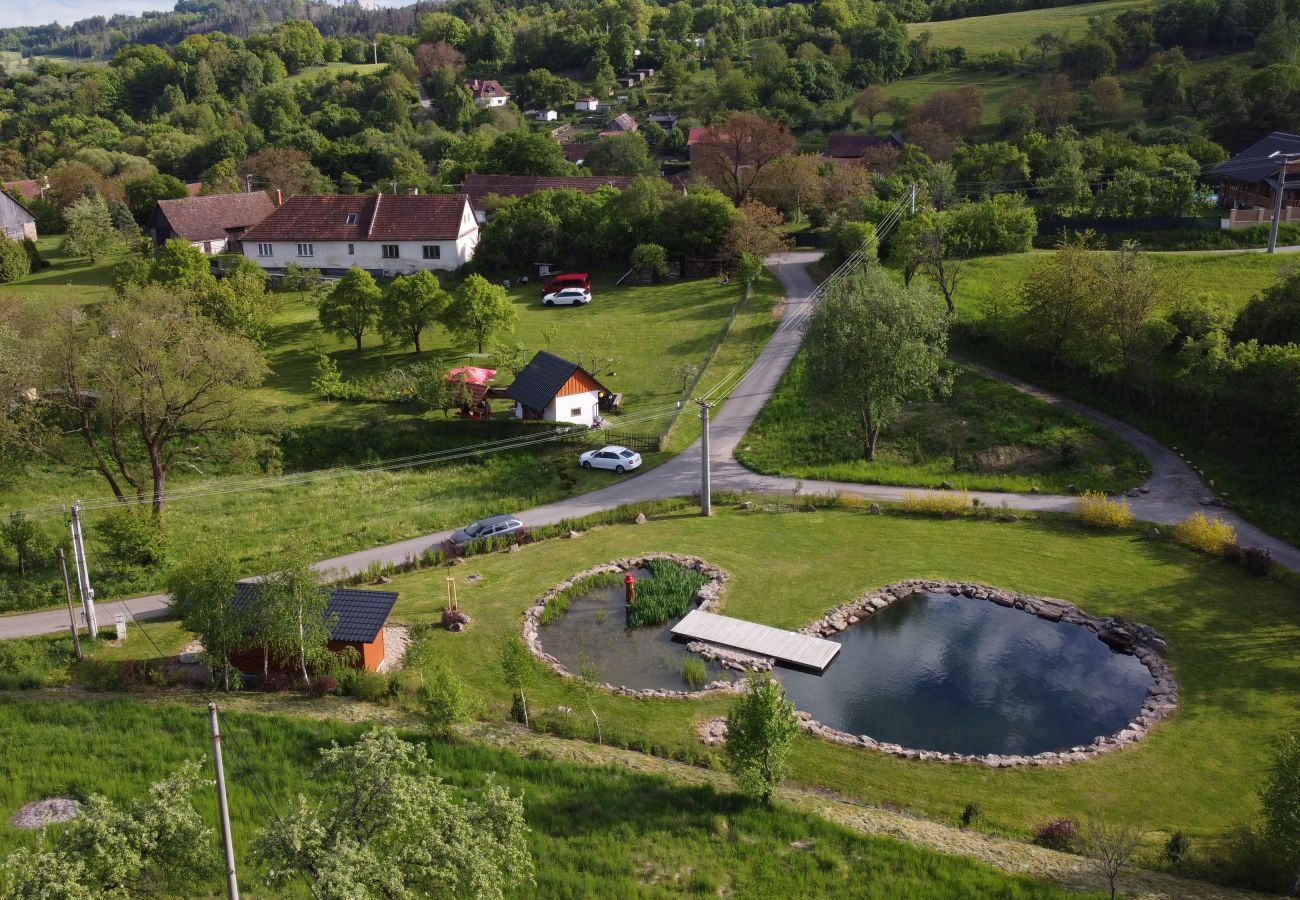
<point x="208" y="218"/>
<point x="480" y="186"/>
<point x="384" y="217"/>
<point x="31" y="188"/>
<point x="486" y="88"/>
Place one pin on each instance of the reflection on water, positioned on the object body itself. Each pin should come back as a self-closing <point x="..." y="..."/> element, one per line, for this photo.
<point x="937" y="672"/>
<point x="638" y="658"/>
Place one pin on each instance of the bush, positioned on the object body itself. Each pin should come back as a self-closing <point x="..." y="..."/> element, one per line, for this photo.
<point x="1061" y="834"/>
<point x="133" y="536"/>
<point x="14" y="262"/>
<point x="971" y="815"/>
<point x="363" y="685"/>
<point x="1205" y="533"/>
<point x="937" y="503"/>
<point x="447" y="700"/>
<point x="650" y="260"/>
<point x="1096" y="509"/>
<point x="1176" y="847"/>
<point x="34" y="260"/>
<point x="1258" y="561"/>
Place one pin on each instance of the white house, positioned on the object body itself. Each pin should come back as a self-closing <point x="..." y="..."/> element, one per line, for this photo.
<point x="586" y="104"/>
<point x="553" y="389"/>
<point x="547" y="115"/>
<point x="488" y="92"/>
<point x="386" y="234"/>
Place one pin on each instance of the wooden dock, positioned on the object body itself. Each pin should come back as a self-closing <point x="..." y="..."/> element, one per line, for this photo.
<point x="800" y="650"/>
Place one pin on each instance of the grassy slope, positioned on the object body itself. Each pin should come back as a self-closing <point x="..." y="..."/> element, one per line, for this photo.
<point x="985" y="436"/>
<point x="595" y="831"/>
<point x="1012" y="31"/>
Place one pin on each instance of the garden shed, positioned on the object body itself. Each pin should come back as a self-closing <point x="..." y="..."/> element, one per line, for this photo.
<point x="554" y="389"/>
<point x="359" y="617"/>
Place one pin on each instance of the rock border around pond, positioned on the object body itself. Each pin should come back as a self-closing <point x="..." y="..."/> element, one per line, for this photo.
<point x="707" y="598"/>
<point x="1141" y="641"/>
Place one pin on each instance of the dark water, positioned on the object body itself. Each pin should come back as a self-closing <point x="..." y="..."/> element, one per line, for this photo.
<point x="936" y="672"/>
<point x="638" y="658"/>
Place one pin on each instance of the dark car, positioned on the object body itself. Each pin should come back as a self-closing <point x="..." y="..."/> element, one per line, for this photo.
<point x="492" y="526"/>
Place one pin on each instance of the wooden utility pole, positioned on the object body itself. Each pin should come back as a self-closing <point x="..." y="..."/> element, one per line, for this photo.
<point x="72" y="618"/>
<point x="223" y="807"/>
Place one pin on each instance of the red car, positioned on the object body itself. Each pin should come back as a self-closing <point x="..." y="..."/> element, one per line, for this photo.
<point x="572" y="280"/>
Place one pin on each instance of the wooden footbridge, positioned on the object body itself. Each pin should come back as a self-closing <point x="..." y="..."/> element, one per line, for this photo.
<point x="802" y="650"/>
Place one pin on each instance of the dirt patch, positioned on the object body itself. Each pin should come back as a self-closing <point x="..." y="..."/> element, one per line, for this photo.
<point x="396" y="639"/>
<point x="40" y="813"/>
<point x="1012" y="458"/>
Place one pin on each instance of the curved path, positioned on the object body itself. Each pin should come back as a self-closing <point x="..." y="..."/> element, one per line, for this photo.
<point x="1172" y="493"/>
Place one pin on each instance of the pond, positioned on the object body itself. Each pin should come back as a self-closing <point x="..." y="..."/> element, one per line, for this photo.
<point x="638" y="658"/>
<point x="938" y="672"/>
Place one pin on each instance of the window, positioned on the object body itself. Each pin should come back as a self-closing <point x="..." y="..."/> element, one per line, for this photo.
<point x="352" y="248"/>
<point x="576" y="411"/>
<point x="432" y="251"/>
<point x="265" y="250"/>
<point x="390" y="251"/>
<point x="350" y="219"/>
<point x="306" y="250"/>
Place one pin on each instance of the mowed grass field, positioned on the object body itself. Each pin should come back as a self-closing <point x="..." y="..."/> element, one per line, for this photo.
<point x="1012" y="31"/>
<point x="594" y="831"/>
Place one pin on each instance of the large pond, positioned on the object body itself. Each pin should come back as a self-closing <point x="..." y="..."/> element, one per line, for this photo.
<point x="594" y="627"/>
<point x="938" y="672"/>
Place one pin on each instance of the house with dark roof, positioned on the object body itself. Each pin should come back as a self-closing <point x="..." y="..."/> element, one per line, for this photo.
<point x="488" y="92"/>
<point x="385" y="234"/>
<point x="856" y="146"/>
<point x="356" y="620"/>
<point x="214" y="223"/>
<point x="16" y="221"/>
<point x="666" y="121"/>
<point x="620" y="124"/>
<point x="1249" y="182"/>
<point x="552" y="389"/>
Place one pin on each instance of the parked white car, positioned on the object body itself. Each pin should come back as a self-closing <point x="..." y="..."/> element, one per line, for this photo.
<point x="570" y="296"/>
<point x="620" y="459"/>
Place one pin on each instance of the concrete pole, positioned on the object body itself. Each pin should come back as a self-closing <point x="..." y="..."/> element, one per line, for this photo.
<point x="706" y="486"/>
<point x="84" y="590"/>
<point x="223" y="807"/>
<point x="911" y="202"/>
<point x="72" y="617"/>
<point x="1277" y="201"/>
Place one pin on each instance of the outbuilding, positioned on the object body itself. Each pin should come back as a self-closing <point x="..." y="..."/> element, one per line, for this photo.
<point x="357" y="616"/>
<point x="214" y="223"/>
<point x="16" y="221"/>
<point x="553" y="389"/>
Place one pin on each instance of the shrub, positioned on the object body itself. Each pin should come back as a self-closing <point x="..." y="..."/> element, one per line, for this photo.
<point x="650" y="260"/>
<point x="1258" y="561"/>
<point x="937" y="503"/>
<point x="1096" y="509"/>
<point x="1060" y="834"/>
<point x="1176" y="847"/>
<point x="447" y="700"/>
<point x="14" y="262"/>
<point x="666" y="595"/>
<point x="363" y="685"/>
<point x="1205" y="533"/>
<point x="694" y="672"/>
<point x="971" y="815"/>
<point x="134" y="536"/>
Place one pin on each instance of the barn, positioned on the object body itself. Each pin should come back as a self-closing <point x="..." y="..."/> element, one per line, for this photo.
<point x="553" y="389"/>
<point x="358" y="622"/>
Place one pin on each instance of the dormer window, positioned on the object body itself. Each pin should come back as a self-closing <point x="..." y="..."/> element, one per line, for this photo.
<point x="350" y="219"/>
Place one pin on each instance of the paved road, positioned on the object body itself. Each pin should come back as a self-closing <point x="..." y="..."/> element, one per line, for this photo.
<point x="1174" y="489"/>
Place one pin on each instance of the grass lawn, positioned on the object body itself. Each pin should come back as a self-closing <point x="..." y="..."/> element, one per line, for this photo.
<point x="984" y="436"/>
<point x="1012" y="31"/>
<point x="595" y="831"/>
<point x="335" y="70"/>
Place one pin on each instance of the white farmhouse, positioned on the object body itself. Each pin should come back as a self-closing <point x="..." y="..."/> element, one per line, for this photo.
<point x="488" y="92"/>
<point x="553" y="389"/>
<point x="385" y="234"/>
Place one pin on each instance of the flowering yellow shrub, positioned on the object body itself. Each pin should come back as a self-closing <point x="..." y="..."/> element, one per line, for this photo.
<point x="1096" y="509"/>
<point x="937" y="503"/>
<point x="1205" y="533"/>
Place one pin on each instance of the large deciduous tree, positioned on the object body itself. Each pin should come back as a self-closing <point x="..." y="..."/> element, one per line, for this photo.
<point x="761" y="726"/>
<point x="352" y="306"/>
<point x="411" y="303"/>
<point x="290" y="619"/>
<point x="479" y="310"/>
<point x="620" y="154"/>
<point x="384" y="825"/>
<point x="736" y="154"/>
<point x="871" y="346"/>
<point x="202" y="589"/>
<point x="90" y="229"/>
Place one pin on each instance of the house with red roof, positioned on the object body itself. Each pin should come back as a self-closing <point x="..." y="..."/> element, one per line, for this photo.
<point x="214" y="223"/>
<point x="488" y="92"/>
<point x="385" y="234"/>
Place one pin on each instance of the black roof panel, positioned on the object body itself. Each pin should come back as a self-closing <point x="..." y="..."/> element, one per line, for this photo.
<point x="541" y="380"/>
<point x="1254" y="163"/>
<point x="360" y="614"/>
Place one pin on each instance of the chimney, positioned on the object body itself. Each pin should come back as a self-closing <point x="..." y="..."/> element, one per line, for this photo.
<point x="415" y="192"/>
<point x="279" y="197"/>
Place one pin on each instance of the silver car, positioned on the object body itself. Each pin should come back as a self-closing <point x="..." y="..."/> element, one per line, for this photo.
<point x="492" y="526"/>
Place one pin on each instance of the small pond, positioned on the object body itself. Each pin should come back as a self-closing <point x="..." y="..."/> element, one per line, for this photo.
<point x="938" y="672"/>
<point x="638" y="658"/>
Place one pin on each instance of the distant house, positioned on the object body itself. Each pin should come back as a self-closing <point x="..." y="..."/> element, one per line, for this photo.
<point x="553" y="389"/>
<point x="547" y="115"/>
<point x="586" y="104"/>
<point x="1250" y="181"/>
<point x="643" y="74"/>
<point x="386" y="234"/>
<point x="666" y="121"/>
<point x="28" y="189"/>
<point x="627" y="81"/>
<point x="857" y="146"/>
<point x="620" y="124"/>
<point x="16" y="222"/>
<point x="488" y="92"/>
<point x="214" y="223"/>
<point x="576" y="152"/>
<point x="358" y="623"/>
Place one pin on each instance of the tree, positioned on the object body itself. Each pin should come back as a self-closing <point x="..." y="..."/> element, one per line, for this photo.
<point x="149" y="381"/>
<point x="285" y="169"/>
<point x="584" y="688"/>
<point x="526" y="153"/>
<point x="1273" y="317"/>
<point x="517" y="670"/>
<point x="411" y="303"/>
<point x="479" y="310"/>
<point x="761" y="726"/>
<point x="202" y="589"/>
<point x="1059" y="295"/>
<point x="755" y="232"/>
<point x="873" y="345"/>
<point x="1108" y="847"/>
<point x="871" y="101"/>
<point x="239" y="302"/>
<point x="1280" y="798"/>
<point x="20" y="533"/>
<point x="1044" y="44"/>
<point x="143" y="194"/>
<point x="939" y="251"/>
<point x="1107" y="96"/>
<point x="352" y="306"/>
<point x="736" y="154"/>
<point x="1088" y="59"/>
<point x="90" y="230"/>
<point x="447" y="699"/>
<point x="649" y="260"/>
<point x="848" y="237"/>
<point x="1127" y="333"/>
<point x="796" y="185"/>
<point x="620" y="154"/>
<point x="1165" y="94"/>
<point x="386" y="826"/>
<point x="180" y="264"/>
<point x="291" y="621"/>
<point x="328" y="383"/>
<point x="296" y="278"/>
<point x="153" y="846"/>
<point x="956" y="111"/>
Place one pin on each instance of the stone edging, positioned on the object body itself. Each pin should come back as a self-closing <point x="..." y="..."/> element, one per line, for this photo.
<point x="1141" y="641"/>
<point x="707" y="598"/>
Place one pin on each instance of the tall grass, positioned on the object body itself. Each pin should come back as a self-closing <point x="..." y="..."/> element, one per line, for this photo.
<point x="559" y="604"/>
<point x="695" y="672"/>
<point x="666" y="595"/>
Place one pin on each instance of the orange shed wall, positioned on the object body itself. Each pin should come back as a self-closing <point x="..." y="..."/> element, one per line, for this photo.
<point x="371" y="655"/>
<point x="579" y="383"/>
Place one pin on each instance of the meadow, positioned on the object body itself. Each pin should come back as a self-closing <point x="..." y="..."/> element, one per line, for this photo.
<point x="1013" y="31"/>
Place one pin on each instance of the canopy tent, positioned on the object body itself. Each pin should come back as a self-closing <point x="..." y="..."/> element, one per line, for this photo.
<point x="471" y="374"/>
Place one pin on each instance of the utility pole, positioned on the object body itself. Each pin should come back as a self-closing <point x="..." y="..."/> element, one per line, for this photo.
<point x="223" y="807"/>
<point x="1287" y="159"/>
<point x="374" y="45"/>
<point x="67" y="590"/>
<point x="911" y="202"/>
<point x="706" y="486"/>
<point x="84" y="590"/>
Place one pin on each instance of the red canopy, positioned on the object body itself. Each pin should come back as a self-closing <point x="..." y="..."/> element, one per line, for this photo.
<point x="471" y="374"/>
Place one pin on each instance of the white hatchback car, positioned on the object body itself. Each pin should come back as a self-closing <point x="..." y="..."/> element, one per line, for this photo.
<point x="620" y="459"/>
<point x="571" y="296"/>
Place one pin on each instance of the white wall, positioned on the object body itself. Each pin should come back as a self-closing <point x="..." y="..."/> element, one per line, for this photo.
<point x="561" y="408"/>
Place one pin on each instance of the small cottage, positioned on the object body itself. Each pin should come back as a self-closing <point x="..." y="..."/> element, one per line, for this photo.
<point x="547" y="115"/>
<point x="16" y="222"/>
<point x="358" y="622"/>
<point x="552" y="389"/>
<point x="214" y="223"/>
<point x="586" y="104"/>
<point x="488" y="92"/>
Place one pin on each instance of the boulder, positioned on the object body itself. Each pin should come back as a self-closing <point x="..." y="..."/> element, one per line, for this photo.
<point x="873" y="509"/>
<point x="514" y="548"/>
<point x="640" y="519"/>
<point x="1154" y="534"/>
<point x="1009" y="517"/>
<point x="748" y="504"/>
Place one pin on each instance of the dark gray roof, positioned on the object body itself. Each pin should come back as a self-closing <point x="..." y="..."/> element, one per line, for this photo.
<point x="359" y="614"/>
<point x="1254" y="163"/>
<point x="541" y="380"/>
